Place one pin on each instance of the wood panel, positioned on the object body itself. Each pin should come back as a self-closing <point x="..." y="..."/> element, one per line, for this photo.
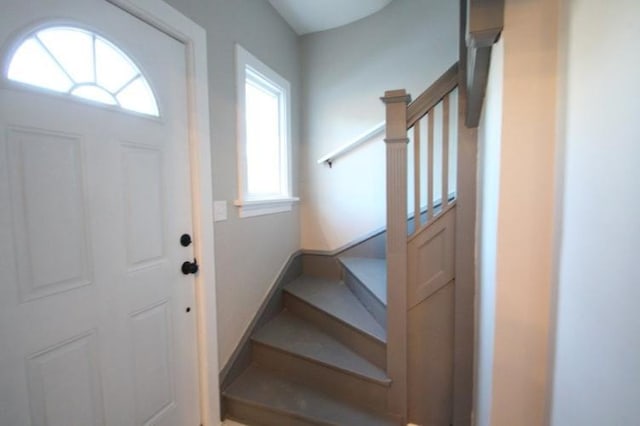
<point x="431" y="302"/>
<point x="431" y="258"/>
<point x="430" y="359"/>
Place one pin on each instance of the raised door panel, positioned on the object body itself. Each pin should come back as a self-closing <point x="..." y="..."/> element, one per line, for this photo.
<point x="152" y="360"/>
<point x="144" y="204"/>
<point x="48" y="212"/>
<point x="64" y="384"/>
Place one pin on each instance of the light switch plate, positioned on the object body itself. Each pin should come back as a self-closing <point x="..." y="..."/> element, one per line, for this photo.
<point x="219" y="211"/>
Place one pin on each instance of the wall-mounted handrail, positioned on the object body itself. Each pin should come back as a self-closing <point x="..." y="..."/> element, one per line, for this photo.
<point x="328" y="159"/>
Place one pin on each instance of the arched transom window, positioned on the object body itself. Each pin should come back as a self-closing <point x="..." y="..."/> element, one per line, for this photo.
<point x="82" y="64"/>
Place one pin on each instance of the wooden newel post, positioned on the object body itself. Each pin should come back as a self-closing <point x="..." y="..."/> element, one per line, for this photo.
<point x="396" y="142"/>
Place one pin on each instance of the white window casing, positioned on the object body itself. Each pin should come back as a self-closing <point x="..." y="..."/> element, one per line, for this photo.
<point x="264" y="138"/>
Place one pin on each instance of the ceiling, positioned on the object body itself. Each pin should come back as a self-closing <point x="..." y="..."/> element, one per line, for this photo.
<point x="309" y="16"/>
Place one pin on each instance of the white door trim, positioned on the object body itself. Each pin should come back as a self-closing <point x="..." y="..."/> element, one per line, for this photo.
<point x="172" y="22"/>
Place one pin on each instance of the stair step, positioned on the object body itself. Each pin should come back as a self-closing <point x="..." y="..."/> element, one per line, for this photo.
<point x="371" y="272"/>
<point x="335" y="298"/>
<point x="263" y="397"/>
<point x="292" y="334"/>
<point x="367" y="279"/>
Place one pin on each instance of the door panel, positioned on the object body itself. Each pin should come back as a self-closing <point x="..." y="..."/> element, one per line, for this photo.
<point x="152" y="361"/>
<point x="144" y="195"/>
<point x="45" y="176"/>
<point x="64" y="384"/>
<point x="93" y="322"/>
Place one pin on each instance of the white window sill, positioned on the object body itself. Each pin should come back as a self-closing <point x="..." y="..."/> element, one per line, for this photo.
<point x="250" y="208"/>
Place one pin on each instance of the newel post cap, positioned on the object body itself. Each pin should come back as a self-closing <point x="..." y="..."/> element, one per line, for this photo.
<point x="396" y="96"/>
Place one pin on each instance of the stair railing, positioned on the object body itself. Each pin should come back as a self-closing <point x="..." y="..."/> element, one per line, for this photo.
<point x="367" y="136"/>
<point x="405" y="121"/>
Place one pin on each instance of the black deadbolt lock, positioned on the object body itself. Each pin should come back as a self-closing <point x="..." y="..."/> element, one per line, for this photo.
<point x="185" y="240"/>
<point x="190" y="267"/>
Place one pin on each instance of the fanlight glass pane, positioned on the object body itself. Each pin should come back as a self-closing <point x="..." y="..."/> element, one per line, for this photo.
<point x="263" y="140"/>
<point x="138" y="97"/>
<point x="80" y="63"/>
<point x="31" y="64"/>
<point x="94" y="93"/>
<point x="73" y="49"/>
<point x="113" y="69"/>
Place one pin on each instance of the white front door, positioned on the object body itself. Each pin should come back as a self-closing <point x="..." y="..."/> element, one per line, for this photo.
<point x="97" y="322"/>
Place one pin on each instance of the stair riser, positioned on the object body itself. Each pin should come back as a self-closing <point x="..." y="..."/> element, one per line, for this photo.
<point x="259" y="416"/>
<point x="364" y="345"/>
<point x="340" y="384"/>
<point x="368" y="300"/>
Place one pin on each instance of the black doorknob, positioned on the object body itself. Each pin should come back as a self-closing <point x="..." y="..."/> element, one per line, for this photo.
<point x="190" y="267"/>
<point x="185" y="240"/>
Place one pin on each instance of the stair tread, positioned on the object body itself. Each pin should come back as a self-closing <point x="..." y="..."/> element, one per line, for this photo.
<point x="335" y="298"/>
<point x="267" y="389"/>
<point x="295" y="335"/>
<point x="371" y="272"/>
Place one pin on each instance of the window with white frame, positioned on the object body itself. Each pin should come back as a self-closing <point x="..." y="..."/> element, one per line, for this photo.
<point x="264" y="133"/>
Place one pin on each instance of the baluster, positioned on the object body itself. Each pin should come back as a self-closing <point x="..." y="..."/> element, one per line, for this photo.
<point x="430" y="167"/>
<point x="445" y="152"/>
<point x="416" y="176"/>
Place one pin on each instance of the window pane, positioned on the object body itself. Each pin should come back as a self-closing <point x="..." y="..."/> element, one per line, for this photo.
<point x="138" y="97"/>
<point x="73" y="49"/>
<point x="94" y="93"/>
<point x="113" y="69"/>
<point x="80" y="63"/>
<point x="32" y="64"/>
<point x="263" y="140"/>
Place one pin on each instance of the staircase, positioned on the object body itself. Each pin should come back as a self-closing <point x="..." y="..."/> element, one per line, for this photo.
<point x="352" y="351"/>
<point x="322" y="359"/>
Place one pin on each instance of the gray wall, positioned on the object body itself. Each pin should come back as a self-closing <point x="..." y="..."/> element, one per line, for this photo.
<point x="489" y="141"/>
<point x="407" y="45"/>
<point x="249" y="252"/>
<point x="597" y="353"/>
